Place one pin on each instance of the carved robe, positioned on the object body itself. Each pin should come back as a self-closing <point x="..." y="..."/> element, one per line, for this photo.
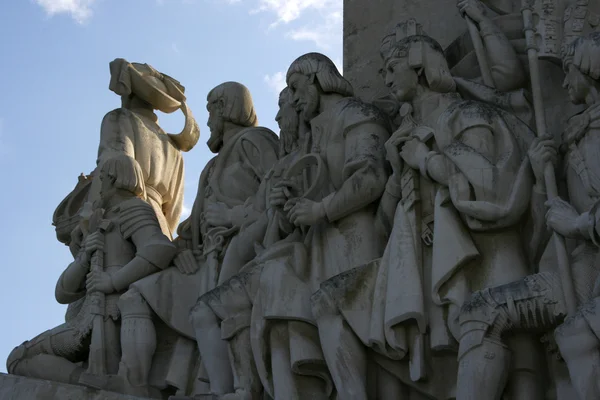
<point x="232" y="177"/>
<point x="349" y="138"/>
<point x="124" y="131"/>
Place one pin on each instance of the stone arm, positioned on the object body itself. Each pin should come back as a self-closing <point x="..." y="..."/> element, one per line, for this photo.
<point x="364" y="172"/>
<point x="154" y="251"/>
<point x="536" y="234"/>
<point x="260" y="152"/>
<point x="486" y="186"/>
<point x="71" y="284"/>
<point x="436" y="168"/>
<point x="506" y="68"/>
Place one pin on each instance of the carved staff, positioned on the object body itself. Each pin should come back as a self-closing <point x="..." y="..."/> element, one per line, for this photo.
<point x="549" y="178"/>
<point x="97" y="357"/>
<point x="484" y="66"/>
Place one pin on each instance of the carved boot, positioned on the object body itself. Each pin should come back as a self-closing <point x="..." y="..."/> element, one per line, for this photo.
<point x="533" y="304"/>
<point x="483" y="370"/>
<point x="580" y="348"/>
<point x="245" y="376"/>
<point x="138" y="343"/>
<point x="213" y="349"/>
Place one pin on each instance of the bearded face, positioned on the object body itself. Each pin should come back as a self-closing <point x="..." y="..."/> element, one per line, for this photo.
<point x="216" y="124"/>
<point x="576" y="84"/>
<point x="306" y="95"/>
<point x="287" y="118"/>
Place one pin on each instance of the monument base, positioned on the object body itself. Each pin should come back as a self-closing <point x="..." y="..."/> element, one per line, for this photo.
<point x="14" y="387"/>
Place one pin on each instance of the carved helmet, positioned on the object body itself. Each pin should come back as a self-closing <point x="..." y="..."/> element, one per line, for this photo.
<point x="161" y="91"/>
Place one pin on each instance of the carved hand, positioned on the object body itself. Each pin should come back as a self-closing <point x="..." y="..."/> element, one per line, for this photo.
<point x="474" y="9"/>
<point x="304" y="212"/>
<point x="76" y="240"/>
<point x="393" y="153"/>
<point x="94" y="241"/>
<point x="541" y="152"/>
<point x="281" y="192"/>
<point x="186" y="262"/>
<point x="218" y="214"/>
<point x="562" y="217"/>
<point x="413" y="152"/>
<point x="99" y="281"/>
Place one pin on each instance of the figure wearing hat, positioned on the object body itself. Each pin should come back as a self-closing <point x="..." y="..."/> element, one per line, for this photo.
<point x="133" y="130"/>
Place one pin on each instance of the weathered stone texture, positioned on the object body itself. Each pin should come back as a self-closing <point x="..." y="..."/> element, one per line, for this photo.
<point x="19" y="388"/>
<point x="366" y="22"/>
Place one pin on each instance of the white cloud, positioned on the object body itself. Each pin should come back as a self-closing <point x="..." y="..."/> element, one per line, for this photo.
<point x="325" y="31"/>
<point x="80" y="10"/>
<point x="276" y="82"/>
<point x="185" y="212"/>
<point x="324" y="28"/>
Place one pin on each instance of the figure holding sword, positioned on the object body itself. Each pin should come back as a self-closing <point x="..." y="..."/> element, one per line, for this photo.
<point x="125" y="243"/>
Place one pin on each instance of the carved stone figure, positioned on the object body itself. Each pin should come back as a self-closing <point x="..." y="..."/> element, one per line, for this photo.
<point x="207" y="239"/>
<point x="125" y="243"/>
<point x="133" y="130"/>
<point x="227" y="309"/>
<point x="346" y="140"/>
<point x="463" y="149"/>
<point x="537" y="301"/>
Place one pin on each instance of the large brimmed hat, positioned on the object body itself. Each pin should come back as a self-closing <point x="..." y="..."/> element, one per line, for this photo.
<point x="161" y="91"/>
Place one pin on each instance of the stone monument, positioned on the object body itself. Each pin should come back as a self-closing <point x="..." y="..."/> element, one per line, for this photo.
<point x="426" y="227"/>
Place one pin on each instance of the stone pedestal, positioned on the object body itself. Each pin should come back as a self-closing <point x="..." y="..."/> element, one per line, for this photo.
<point x="19" y="388"/>
<point x="366" y="22"/>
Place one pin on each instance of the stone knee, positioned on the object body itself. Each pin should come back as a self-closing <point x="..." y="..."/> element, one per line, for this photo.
<point x="43" y="344"/>
<point x="202" y="317"/>
<point x="533" y="303"/>
<point x="133" y="305"/>
<point x="15" y="358"/>
<point x="575" y="338"/>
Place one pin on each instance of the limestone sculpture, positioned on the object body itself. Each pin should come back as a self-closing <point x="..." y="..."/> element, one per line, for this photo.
<point x="133" y="130"/>
<point x="394" y="250"/>
<point x="227" y="308"/>
<point x="347" y="136"/>
<point x="123" y="243"/>
<point x="455" y="172"/>
<point x="212" y="238"/>
<point x="538" y="300"/>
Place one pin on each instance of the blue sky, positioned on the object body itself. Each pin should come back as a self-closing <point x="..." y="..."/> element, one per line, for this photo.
<point x="55" y="82"/>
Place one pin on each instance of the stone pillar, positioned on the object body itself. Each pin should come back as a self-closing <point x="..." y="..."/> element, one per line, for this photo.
<point x="366" y="22"/>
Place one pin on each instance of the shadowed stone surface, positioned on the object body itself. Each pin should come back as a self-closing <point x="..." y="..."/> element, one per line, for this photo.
<point x="20" y="388"/>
